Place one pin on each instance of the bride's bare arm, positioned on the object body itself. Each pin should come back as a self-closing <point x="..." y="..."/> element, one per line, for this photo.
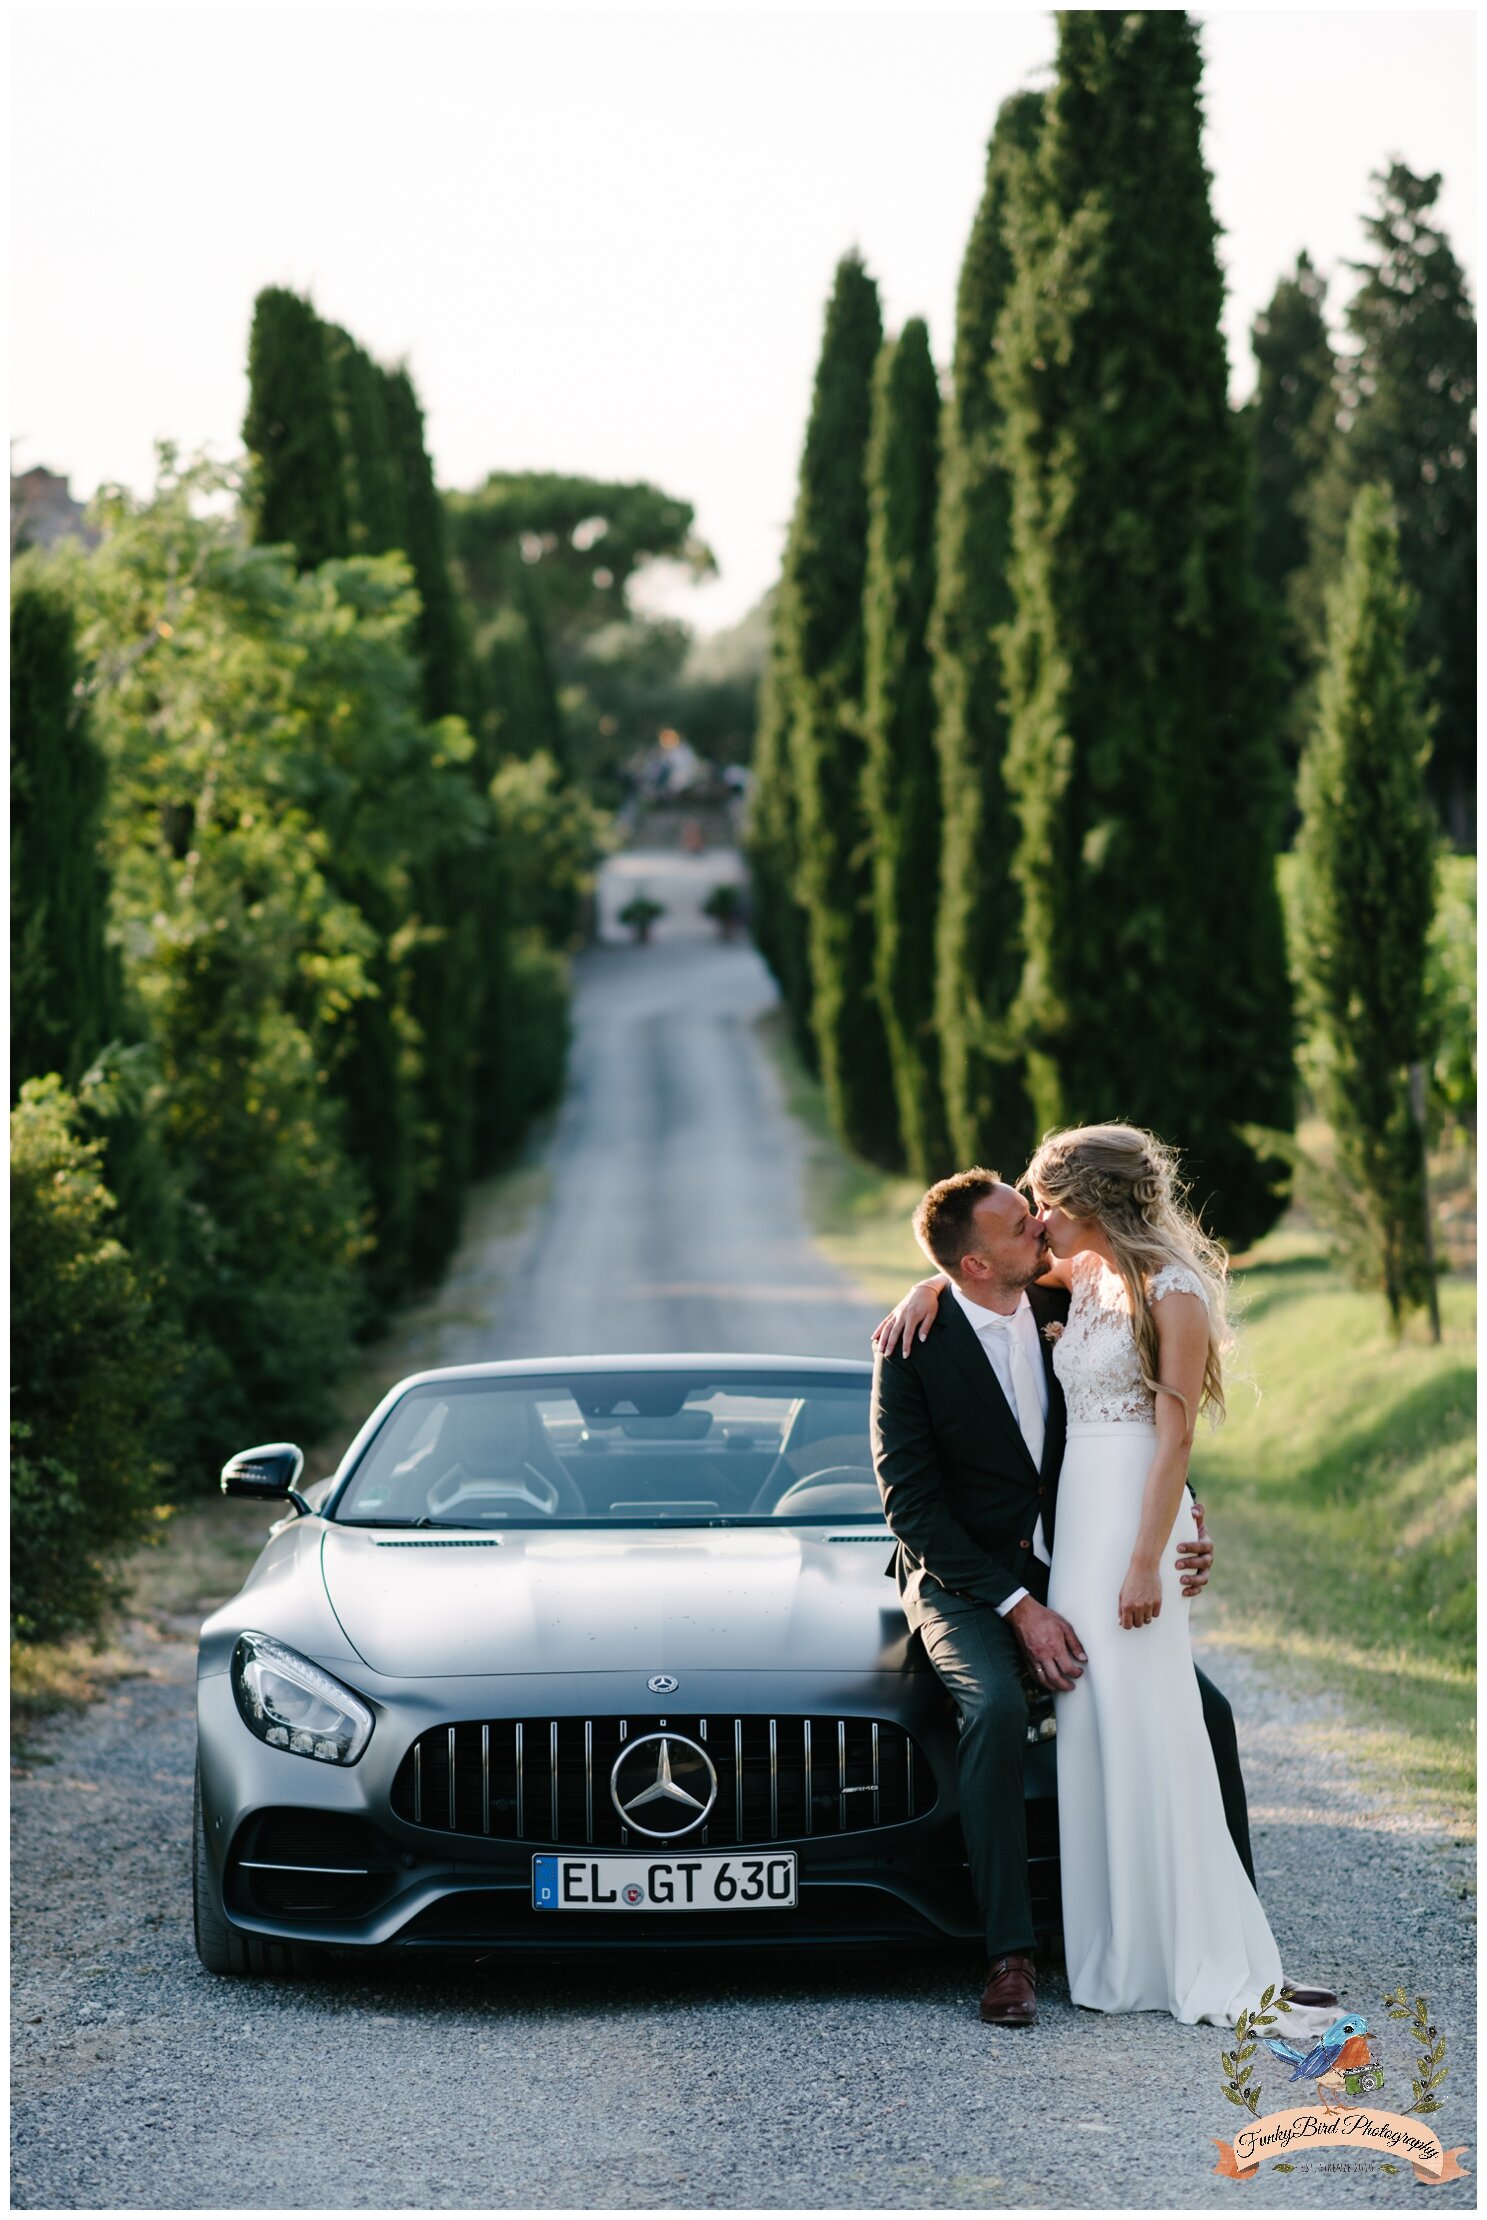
<point x="1182" y="1342"/>
<point x="914" y="1311"/>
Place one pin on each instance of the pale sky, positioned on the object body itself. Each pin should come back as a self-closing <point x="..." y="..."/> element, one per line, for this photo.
<point x="604" y="239"/>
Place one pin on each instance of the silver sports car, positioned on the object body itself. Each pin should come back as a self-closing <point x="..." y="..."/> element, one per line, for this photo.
<point x="582" y="1654"/>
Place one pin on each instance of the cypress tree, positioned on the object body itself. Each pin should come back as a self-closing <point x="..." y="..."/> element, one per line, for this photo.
<point x="1290" y="425"/>
<point x="1141" y="753"/>
<point x="292" y="431"/>
<point x="1407" y="417"/>
<point x="979" y="951"/>
<point x="460" y="909"/>
<point x="441" y="642"/>
<point x="1367" y="868"/>
<point x="821" y="607"/>
<point x="902" y="797"/>
<point x="373" y="482"/>
<point x="65" y="991"/>
<point x="1290" y="419"/>
<point x="772" y="845"/>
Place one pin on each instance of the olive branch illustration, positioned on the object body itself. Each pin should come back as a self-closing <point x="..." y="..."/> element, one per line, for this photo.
<point x="1238" y="2087"/>
<point x="1430" y="2061"/>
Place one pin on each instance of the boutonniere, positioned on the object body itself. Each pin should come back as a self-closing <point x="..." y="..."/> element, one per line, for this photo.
<point x="1053" y="1331"/>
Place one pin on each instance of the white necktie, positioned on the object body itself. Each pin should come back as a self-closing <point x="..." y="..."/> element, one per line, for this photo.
<point x="1024" y="1387"/>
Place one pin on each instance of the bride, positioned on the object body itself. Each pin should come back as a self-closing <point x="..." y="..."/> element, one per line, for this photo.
<point x="1158" y="1912"/>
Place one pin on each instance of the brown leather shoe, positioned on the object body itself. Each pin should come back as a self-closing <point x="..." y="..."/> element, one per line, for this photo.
<point x="1010" y="1998"/>
<point x="1309" y="2000"/>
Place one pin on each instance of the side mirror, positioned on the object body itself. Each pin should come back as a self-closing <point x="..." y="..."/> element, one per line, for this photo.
<point x="267" y="1474"/>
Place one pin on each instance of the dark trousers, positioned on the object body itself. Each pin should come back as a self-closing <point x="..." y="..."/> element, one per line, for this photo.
<point x="979" y="1660"/>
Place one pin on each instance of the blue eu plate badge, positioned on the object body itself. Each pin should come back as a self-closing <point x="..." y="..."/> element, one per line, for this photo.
<point x="545" y="1892"/>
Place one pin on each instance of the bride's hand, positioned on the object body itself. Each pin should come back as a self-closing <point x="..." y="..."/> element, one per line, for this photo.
<point x="916" y="1311"/>
<point x="1140" y="1595"/>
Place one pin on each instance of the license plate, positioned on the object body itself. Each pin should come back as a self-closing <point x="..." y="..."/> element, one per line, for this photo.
<point x="664" y="1884"/>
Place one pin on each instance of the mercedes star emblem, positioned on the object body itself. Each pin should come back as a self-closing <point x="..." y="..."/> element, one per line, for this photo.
<point x="663" y="1784"/>
<point x="662" y="1684"/>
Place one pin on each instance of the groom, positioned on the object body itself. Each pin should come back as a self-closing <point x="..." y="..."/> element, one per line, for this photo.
<point x="968" y="1437"/>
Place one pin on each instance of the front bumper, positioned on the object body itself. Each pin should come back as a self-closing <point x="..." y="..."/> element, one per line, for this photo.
<point x="315" y="1853"/>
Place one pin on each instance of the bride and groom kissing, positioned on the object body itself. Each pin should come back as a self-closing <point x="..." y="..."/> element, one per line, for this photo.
<point x="1034" y="1405"/>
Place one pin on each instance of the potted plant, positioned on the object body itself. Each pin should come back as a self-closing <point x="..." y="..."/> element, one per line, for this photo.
<point x="725" y="906"/>
<point x="640" y="914"/>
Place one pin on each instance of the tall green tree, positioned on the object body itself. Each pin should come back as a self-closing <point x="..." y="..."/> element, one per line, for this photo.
<point x="65" y="1002"/>
<point x="1407" y="417"/>
<point x="424" y="540"/>
<point x="1142" y="754"/>
<point x="374" y="494"/>
<point x="1290" y="420"/>
<point x="1366" y="857"/>
<point x="979" y="952"/>
<point x="821" y="610"/>
<point x="902" y="797"/>
<point x="293" y="432"/>
<point x="772" y="844"/>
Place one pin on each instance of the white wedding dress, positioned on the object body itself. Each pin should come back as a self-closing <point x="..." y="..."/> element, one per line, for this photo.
<point x="1159" y="1914"/>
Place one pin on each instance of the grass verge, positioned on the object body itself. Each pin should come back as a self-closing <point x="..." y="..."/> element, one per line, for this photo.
<point x="1342" y="1490"/>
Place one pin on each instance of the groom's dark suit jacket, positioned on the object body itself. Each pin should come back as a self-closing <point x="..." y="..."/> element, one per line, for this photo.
<point x="959" y="1485"/>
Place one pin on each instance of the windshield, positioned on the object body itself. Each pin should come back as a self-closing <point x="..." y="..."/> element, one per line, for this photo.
<point x="619" y="1450"/>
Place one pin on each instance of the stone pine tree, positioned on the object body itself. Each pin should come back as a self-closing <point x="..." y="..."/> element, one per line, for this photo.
<point x="902" y="798"/>
<point x="772" y="844"/>
<point x="1366" y="858"/>
<point x="1290" y="426"/>
<point x="821" y="608"/>
<point x="979" y="953"/>
<point x="1141" y="754"/>
<point x="65" y="991"/>
<point x="292" y="431"/>
<point x="1407" y="416"/>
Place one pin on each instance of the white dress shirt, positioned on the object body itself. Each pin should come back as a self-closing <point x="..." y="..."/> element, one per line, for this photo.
<point x="992" y="1329"/>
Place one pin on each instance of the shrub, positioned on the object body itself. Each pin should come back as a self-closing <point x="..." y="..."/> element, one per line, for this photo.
<point x="92" y="1370"/>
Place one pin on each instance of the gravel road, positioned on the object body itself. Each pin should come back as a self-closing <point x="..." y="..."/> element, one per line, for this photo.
<point x="139" y="2081"/>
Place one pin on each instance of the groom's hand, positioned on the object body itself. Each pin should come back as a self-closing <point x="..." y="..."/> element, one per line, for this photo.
<point x="1049" y="1644"/>
<point x="1195" y="1559"/>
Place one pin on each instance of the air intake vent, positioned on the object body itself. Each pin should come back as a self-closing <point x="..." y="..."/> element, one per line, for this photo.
<point x="308" y="1865"/>
<point x="475" y="1541"/>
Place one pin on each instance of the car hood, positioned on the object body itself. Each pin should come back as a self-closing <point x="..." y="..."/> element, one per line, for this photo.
<point x="746" y="1600"/>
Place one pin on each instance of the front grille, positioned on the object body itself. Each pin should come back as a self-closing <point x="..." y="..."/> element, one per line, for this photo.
<point x="547" y="1780"/>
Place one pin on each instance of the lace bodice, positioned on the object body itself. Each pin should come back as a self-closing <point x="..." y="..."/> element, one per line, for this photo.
<point x="1095" y="1356"/>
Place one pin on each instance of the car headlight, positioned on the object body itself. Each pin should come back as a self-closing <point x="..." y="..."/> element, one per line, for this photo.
<point x="292" y="1705"/>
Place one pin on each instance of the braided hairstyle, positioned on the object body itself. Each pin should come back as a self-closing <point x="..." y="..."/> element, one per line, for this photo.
<point x="1128" y="1182"/>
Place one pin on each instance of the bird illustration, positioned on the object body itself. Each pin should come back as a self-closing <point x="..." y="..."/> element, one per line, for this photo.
<point x="1344" y="2046"/>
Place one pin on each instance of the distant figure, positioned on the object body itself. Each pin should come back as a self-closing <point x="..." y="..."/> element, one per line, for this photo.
<point x="694" y="840"/>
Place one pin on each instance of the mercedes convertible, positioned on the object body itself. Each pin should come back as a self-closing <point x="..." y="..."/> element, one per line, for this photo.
<point x="577" y="1655"/>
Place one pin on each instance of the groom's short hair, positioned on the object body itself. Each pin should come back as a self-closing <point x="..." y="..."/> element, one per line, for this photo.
<point x="944" y="1223"/>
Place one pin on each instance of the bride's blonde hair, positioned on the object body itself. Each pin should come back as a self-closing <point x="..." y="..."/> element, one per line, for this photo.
<point x="1128" y="1182"/>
